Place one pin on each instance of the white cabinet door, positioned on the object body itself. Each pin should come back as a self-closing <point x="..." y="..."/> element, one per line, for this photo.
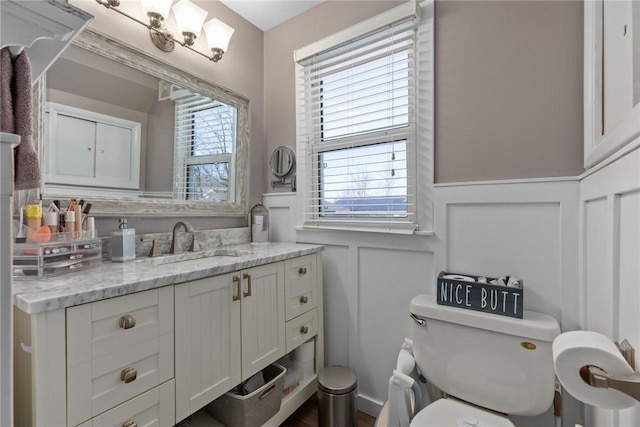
<point x="91" y="149"/>
<point x="263" y="332"/>
<point x="76" y="145"/>
<point x="611" y="78"/>
<point x="114" y="156"/>
<point x="207" y="339"/>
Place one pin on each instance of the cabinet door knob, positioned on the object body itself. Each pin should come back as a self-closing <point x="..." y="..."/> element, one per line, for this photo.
<point x="128" y="375"/>
<point x="129" y="423"/>
<point x="304" y="330"/>
<point x="88" y="148"/>
<point x="237" y="281"/>
<point x="127" y="321"/>
<point x="302" y="270"/>
<point x="304" y="299"/>
<point x="247" y="276"/>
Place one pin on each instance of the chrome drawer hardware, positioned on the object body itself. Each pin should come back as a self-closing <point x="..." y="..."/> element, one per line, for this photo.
<point x="128" y="375"/>
<point x="247" y="276"/>
<point x="237" y="281"/>
<point x="304" y="299"/>
<point x="304" y="330"/>
<point x="127" y="321"/>
<point x="302" y="270"/>
<point x="129" y="423"/>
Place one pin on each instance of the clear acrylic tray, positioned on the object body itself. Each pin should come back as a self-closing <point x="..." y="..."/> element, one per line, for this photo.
<point x="62" y="253"/>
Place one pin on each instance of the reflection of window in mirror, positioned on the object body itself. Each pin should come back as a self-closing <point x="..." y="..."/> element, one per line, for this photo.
<point x="205" y="148"/>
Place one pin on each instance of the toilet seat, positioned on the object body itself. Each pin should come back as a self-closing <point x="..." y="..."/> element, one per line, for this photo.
<point x="452" y="412"/>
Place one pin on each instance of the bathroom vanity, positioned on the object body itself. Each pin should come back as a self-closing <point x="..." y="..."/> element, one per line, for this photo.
<point x="156" y="340"/>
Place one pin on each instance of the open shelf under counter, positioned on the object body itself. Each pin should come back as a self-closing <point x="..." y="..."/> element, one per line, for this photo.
<point x="290" y="403"/>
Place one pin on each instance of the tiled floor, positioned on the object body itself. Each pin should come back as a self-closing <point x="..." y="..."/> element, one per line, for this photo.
<point x="307" y="416"/>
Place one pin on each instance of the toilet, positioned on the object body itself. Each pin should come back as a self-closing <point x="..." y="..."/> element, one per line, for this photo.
<point x="488" y="366"/>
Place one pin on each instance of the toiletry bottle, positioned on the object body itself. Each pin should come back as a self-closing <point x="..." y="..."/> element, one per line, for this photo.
<point x="259" y="223"/>
<point x="123" y="243"/>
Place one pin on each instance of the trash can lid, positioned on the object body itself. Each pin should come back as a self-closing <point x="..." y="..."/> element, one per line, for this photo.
<point x="337" y="380"/>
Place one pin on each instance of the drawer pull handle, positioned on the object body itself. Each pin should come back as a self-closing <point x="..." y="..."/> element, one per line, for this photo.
<point x="302" y="270"/>
<point x="129" y="423"/>
<point x="127" y="321"/>
<point x="247" y="276"/>
<point x="237" y="281"/>
<point x="128" y="375"/>
<point x="304" y="299"/>
<point x="304" y="330"/>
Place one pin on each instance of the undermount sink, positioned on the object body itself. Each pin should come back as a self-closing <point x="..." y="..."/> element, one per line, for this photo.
<point x="189" y="256"/>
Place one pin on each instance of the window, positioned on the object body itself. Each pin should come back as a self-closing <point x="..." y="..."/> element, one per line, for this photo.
<point x="357" y="133"/>
<point x="205" y="149"/>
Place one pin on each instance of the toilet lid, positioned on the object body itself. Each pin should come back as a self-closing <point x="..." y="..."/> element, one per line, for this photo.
<point x="451" y="412"/>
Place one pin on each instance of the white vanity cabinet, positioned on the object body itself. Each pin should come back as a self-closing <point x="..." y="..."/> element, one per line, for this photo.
<point x="227" y="329"/>
<point x="157" y="356"/>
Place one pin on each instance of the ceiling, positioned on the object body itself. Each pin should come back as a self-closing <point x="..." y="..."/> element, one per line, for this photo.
<point x="266" y="14"/>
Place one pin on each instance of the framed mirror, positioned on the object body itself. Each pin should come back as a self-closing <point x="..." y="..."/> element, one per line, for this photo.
<point x="185" y="144"/>
<point x="282" y="161"/>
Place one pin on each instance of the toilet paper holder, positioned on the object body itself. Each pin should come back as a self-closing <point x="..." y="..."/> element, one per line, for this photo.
<point x="627" y="384"/>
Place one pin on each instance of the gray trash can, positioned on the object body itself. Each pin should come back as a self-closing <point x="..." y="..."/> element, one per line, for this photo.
<point x="336" y="397"/>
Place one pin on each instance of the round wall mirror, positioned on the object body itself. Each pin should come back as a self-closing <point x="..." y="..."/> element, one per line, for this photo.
<point x="282" y="161"/>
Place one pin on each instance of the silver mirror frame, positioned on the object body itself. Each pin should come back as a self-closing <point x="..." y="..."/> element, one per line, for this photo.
<point x="272" y="160"/>
<point x="134" y="58"/>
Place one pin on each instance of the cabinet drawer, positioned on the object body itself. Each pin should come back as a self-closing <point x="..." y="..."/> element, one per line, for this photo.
<point x="110" y="360"/>
<point x="102" y="327"/>
<point x="301" y="329"/>
<point x="301" y="285"/>
<point x="153" y="408"/>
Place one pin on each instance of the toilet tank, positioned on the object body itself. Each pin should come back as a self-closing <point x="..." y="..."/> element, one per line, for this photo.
<point x="497" y="362"/>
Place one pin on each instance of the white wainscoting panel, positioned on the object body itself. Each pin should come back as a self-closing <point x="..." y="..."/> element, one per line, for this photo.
<point x="524" y="228"/>
<point x="283" y="217"/>
<point x="610" y="265"/>
<point x="388" y="280"/>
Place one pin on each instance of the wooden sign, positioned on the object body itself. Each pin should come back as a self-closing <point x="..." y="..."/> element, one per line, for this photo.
<point x="460" y="291"/>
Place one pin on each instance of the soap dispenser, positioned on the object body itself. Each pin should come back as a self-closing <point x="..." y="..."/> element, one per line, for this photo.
<point x="123" y="242"/>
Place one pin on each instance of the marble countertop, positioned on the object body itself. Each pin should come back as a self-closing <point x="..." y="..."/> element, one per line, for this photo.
<point x="115" y="279"/>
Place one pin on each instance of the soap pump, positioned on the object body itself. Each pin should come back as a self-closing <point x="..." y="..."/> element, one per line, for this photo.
<point x="123" y="242"/>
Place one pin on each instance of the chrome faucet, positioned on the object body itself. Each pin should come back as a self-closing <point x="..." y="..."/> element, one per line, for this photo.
<point x="175" y="244"/>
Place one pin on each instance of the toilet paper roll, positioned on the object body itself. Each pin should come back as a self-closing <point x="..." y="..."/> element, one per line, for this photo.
<point x="573" y="350"/>
<point x="458" y="277"/>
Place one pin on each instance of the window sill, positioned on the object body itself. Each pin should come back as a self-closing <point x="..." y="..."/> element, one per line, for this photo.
<point x="401" y="229"/>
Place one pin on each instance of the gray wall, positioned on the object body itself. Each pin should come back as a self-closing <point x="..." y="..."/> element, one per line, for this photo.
<point x="508" y="84"/>
<point x="508" y="90"/>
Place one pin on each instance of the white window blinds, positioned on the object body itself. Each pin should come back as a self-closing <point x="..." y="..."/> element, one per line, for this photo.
<point x="204" y="157"/>
<point x="357" y="130"/>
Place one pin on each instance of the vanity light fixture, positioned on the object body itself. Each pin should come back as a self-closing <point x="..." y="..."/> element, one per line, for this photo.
<point x="190" y="20"/>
